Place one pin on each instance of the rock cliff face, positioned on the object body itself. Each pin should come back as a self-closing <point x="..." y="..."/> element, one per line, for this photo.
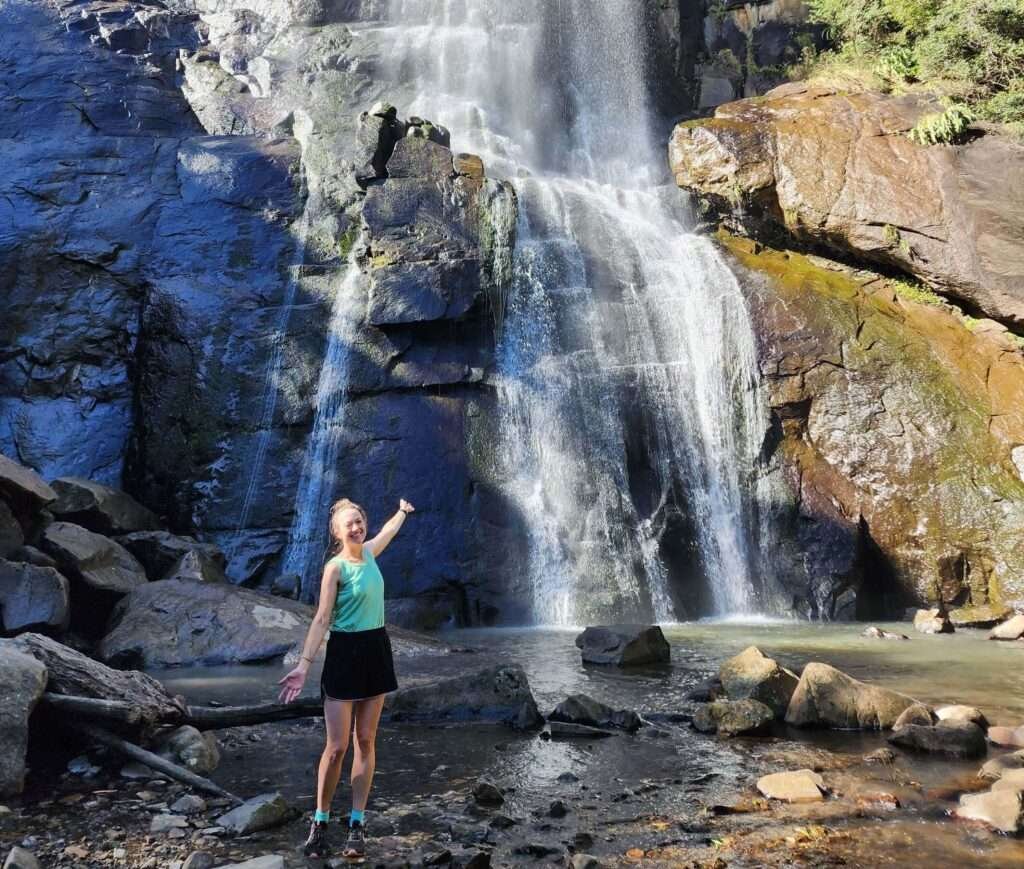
<point x="897" y="428"/>
<point x="187" y="188"/>
<point x="838" y="171"/>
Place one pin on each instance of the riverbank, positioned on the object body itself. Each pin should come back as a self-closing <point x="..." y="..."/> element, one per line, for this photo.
<point x="666" y="796"/>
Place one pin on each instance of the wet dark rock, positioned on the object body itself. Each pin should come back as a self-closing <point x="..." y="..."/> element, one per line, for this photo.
<point x="225" y="625"/>
<point x="952" y="738"/>
<point x="826" y="697"/>
<point x="22" y="682"/>
<point x="733" y="717"/>
<point x="160" y="551"/>
<point x="557" y="809"/>
<point x="32" y="598"/>
<point x="932" y="621"/>
<point x="470" y="858"/>
<point x="23" y="488"/>
<point x="11" y="535"/>
<point x="581" y="709"/>
<point x="259" y="813"/>
<point x="100" y="508"/>
<point x="488" y="794"/>
<point x="751" y="674"/>
<point x="195" y="567"/>
<point x="536" y="850"/>
<point x="288" y="585"/>
<point x="502" y="822"/>
<point x="623" y="645"/>
<point x="495" y="694"/>
<point x="562" y="729"/>
<point x="568" y="777"/>
<point x="710" y="689"/>
<point x="92" y="559"/>
<point x="31" y="555"/>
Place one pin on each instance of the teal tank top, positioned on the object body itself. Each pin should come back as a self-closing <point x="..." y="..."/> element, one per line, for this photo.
<point x="359" y="605"/>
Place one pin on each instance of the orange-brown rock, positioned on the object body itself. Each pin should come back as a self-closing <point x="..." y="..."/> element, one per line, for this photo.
<point x="837" y="170"/>
<point x="895" y="421"/>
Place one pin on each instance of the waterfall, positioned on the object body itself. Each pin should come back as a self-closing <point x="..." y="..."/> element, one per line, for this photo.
<point x="626" y="364"/>
<point x="272" y="374"/>
<point x="307" y="540"/>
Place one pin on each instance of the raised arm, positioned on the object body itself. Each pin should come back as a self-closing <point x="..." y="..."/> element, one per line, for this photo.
<point x="293" y="682"/>
<point x="390" y="529"/>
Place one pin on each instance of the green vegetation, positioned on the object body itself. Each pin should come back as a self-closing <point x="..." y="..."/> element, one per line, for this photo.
<point x="916" y="293"/>
<point x="943" y="128"/>
<point x="969" y="51"/>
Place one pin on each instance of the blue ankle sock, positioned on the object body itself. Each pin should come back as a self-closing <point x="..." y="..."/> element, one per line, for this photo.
<point x="321" y="817"/>
<point x="355" y="817"/>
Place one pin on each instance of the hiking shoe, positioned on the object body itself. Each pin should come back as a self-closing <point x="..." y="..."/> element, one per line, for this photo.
<point x="316" y="844"/>
<point x="356" y="844"/>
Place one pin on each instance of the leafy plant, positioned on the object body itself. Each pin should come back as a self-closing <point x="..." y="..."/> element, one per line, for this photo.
<point x="918" y="293"/>
<point x="942" y="128"/>
<point x="972" y="50"/>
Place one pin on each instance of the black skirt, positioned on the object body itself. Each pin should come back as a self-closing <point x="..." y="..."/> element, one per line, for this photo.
<point x="358" y="665"/>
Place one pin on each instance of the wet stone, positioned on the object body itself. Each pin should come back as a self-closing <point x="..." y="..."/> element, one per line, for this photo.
<point x="487" y="794"/>
<point x="799" y="786"/>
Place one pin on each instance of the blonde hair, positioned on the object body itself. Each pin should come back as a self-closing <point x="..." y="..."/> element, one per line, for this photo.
<point x="337" y="508"/>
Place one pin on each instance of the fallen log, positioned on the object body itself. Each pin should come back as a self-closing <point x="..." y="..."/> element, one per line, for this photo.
<point x="207" y="718"/>
<point x="74" y="674"/>
<point x="90" y="707"/>
<point x="154" y="761"/>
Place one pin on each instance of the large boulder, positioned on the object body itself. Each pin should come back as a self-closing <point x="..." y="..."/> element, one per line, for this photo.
<point x="23" y="488"/>
<point x="1011" y="629"/>
<point x="22" y="682"/>
<point x="259" y="813"/>
<point x="495" y="694"/>
<point x="985" y="614"/>
<point x="733" y="717"/>
<point x="1002" y="810"/>
<point x="932" y="621"/>
<point x="623" y="645"/>
<point x="160" y="552"/>
<point x="100" y="508"/>
<point x="581" y="709"/>
<point x="752" y="674"/>
<point x="174" y="623"/>
<point x="92" y="559"/>
<point x="32" y="598"/>
<point x="837" y="170"/>
<point x="193" y="566"/>
<point x="827" y="697"/>
<point x="954" y="738"/>
<point x="896" y="419"/>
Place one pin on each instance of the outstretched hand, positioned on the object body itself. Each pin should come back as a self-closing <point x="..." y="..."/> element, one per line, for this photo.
<point x="405" y="506"/>
<point x="291" y="685"/>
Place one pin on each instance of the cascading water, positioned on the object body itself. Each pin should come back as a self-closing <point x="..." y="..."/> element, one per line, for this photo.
<point x="272" y="375"/>
<point x="617" y="319"/>
<point x="307" y="539"/>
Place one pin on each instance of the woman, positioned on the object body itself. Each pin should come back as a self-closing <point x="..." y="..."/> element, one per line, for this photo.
<point x="358" y="668"/>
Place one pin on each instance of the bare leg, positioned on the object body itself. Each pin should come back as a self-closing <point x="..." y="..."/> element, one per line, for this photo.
<point x="364" y="760"/>
<point x="338" y="718"/>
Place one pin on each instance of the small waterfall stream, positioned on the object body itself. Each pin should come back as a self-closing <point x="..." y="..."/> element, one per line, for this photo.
<point x="618" y="320"/>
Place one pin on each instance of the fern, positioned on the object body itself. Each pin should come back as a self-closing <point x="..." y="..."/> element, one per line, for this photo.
<point x="942" y="128"/>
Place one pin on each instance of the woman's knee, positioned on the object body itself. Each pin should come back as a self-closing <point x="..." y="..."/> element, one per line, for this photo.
<point x="365" y="743"/>
<point x="335" y="751"/>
